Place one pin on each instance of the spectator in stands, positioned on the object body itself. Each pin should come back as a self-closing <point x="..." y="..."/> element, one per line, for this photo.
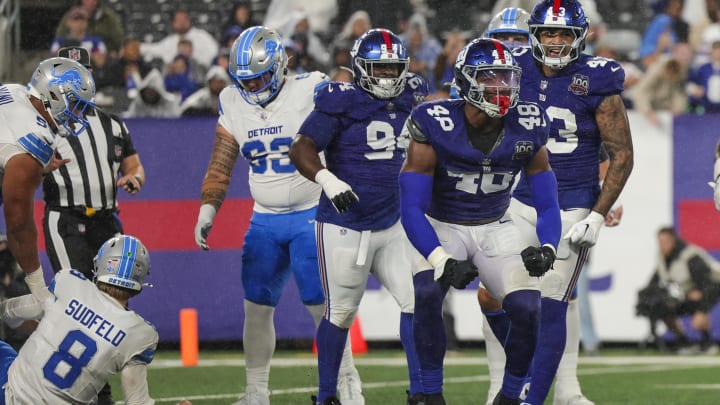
<point x="154" y="100"/>
<point x="102" y="22"/>
<point x="298" y="29"/>
<point x="666" y="30"/>
<point x="240" y="18"/>
<point x="703" y="34"/>
<point x="223" y="58"/>
<point x="705" y="83"/>
<point x="123" y="70"/>
<point x="455" y="41"/>
<point x="205" y="100"/>
<point x="423" y="49"/>
<point x="383" y="14"/>
<point x="358" y="23"/>
<point x="318" y="12"/>
<point x="205" y="47"/>
<point x="689" y="279"/>
<point x="184" y="75"/>
<point x="76" y="22"/>
<point x="297" y="61"/>
<point x="662" y="87"/>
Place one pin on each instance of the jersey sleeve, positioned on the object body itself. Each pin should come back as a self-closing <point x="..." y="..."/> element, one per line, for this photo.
<point x="67" y="283"/>
<point x="415" y="131"/>
<point x="606" y="77"/>
<point x="223" y="101"/>
<point x="128" y="146"/>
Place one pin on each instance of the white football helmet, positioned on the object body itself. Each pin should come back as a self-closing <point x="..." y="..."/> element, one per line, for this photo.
<point x="123" y="261"/>
<point x="67" y="90"/>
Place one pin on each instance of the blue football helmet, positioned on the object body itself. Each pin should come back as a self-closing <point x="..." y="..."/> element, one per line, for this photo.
<point x="511" y="20"/>
<point x="379" y="48"/>
<point x="123" y="261"/>
<point x="67" y="90"/>
<point x="258" y="53"/>
<point x="488" y="76"/>
<point x="554" y="14"/>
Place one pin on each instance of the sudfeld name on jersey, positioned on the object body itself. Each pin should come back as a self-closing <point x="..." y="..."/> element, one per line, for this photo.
<point x="95" y="322"/>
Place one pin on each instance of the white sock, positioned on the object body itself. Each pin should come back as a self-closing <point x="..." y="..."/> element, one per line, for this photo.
<point x="496" y="360"/>
<point x="347" y="366"/>
<point x="566" y="382"/>
<point x="258" y="343"/>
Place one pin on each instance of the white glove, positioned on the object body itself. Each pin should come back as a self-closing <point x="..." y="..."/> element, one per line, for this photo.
<point x="204" y="224"/>
<point x="437" y="258"/>
<point x="585" y="233"/>
<point x="339" y="192"/>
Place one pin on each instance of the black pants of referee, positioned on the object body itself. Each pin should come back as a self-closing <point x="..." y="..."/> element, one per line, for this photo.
<point x="73" y="238"/>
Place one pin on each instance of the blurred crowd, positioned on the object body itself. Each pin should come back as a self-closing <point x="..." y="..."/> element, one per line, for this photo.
<point x="670" y="64"/>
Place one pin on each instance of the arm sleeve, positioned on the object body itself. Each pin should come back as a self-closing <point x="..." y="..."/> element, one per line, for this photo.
<point x="25" y="307"/>
<point x="133" y="378"/>
<point x="545" y="200"/>
<point x="415" y="196"/>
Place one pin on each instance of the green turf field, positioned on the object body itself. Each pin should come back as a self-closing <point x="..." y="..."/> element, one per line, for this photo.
<point x="614" y="377"/>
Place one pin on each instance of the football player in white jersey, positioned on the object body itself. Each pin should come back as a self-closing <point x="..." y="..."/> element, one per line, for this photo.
<point x="53" y="103"/>
<point x="86" y="335"/>
<point x="259" y="117"/>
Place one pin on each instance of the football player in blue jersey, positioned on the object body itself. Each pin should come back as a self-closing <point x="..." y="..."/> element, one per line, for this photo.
<point x="455" y="191"/>
<point x="581" y="95"/>
<point x="358" y="126"/>
<point x="259" y="117"/>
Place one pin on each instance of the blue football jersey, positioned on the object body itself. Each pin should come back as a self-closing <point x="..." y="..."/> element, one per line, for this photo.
<point x="570" y="99"/>
<point x="361" y="139"/>
<point x="468" y="184"/>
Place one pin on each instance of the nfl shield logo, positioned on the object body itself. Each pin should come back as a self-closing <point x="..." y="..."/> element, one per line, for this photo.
<point x="81" y="228"/>
<point x="543" y="84"/>
<point x="74" y="54"/>
<point x="118" y="150"/>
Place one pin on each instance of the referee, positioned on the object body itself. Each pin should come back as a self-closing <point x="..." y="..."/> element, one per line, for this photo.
<point x="81" y="208"/>
<point x="81" y="195"/>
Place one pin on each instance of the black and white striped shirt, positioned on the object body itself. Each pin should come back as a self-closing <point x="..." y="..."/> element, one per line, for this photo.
<point x="88" y="180"/>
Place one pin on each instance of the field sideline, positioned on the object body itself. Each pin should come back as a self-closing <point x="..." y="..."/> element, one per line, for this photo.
<point x="616" y="377"/>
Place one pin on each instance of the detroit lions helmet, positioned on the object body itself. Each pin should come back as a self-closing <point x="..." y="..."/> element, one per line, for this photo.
<point x="558" y="14"/>
<point x="510" y="21"/>
<point x="375" y="49"/>
<point x="123" y="261"/>
<point x="488" y="76"/>
<point x="67" y="90"/>
<point x="258" y="53"/>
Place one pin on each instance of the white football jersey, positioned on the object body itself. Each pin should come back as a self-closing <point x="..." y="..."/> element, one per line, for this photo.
<point x="23" y="126"/>
<point x="84" y="338"/>
<point x="265" y="135"/>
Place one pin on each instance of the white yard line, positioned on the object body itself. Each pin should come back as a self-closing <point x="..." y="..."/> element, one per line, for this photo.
<point x="640" y="364"/>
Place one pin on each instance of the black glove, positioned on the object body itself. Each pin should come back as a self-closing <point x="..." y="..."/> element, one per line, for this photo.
<point x="538" y="260"/>
<point x="343" y="200"/>
<point x="458" y="273"/>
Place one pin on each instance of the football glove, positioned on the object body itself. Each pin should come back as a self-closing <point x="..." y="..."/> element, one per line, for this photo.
<point x="204" y="225"/>
<point x="339" y="192"/>
<point x="538" y="260"/>
<point x="458" y="273"/>
<point x="585" y="233"/>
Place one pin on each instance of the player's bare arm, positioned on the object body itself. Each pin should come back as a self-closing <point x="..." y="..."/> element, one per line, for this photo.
<point x="23" y="175"/>
<point x="304" y="155"/>
<point x="612" y="121"/>
<point x="539" y="163"/>
<point x="421" y="158"/>
<point x="222" y="162"/>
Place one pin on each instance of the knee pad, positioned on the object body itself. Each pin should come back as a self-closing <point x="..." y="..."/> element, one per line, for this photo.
<point x="554" y="285"/>
<point x="342" y="317"/>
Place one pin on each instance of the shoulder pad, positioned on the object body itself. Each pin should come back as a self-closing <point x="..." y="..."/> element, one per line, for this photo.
<point x="416" y="133"/>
